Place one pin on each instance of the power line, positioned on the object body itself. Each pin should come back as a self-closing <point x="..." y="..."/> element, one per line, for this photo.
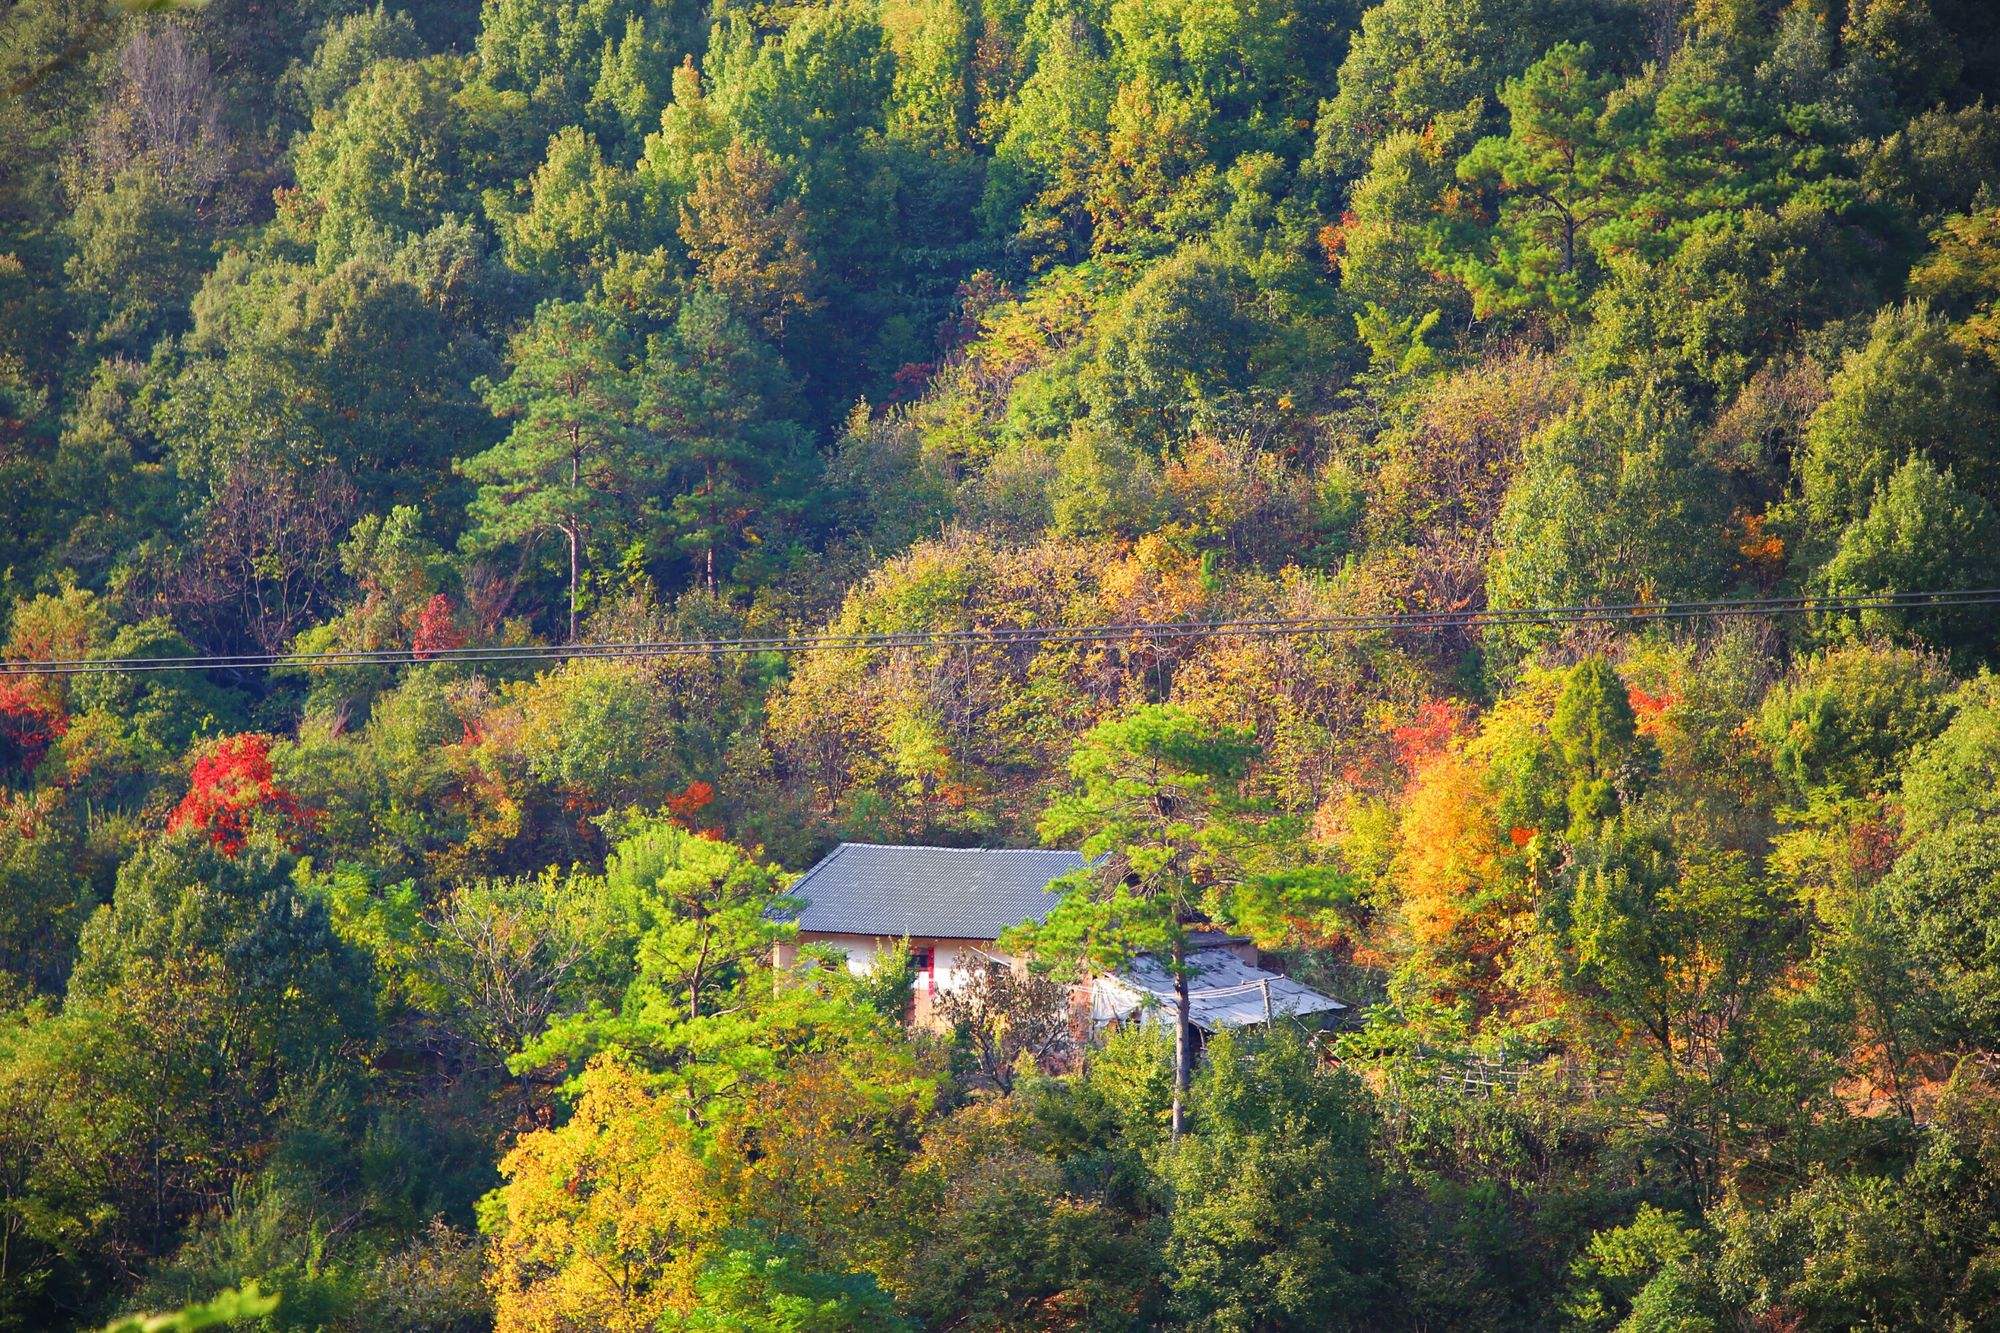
<point x="1422" y="622"/>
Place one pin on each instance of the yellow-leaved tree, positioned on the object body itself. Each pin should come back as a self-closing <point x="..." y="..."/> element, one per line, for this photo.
<point x="604" y="1222"/>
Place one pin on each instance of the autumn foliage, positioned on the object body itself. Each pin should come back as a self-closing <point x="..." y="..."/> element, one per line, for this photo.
<point x="232" y="785"/>
<point x="31" y="720"/>
<point x="437" y="629"/>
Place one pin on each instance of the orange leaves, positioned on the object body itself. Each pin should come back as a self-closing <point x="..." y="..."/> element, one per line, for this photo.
<point x="1649" y="710"/>
<point x="1332" y="240"/>
<point x="1762" y="549"/>
<point x="231" y="786"/>
<point x="689" y="802"/>
<point x="691" y="799"/>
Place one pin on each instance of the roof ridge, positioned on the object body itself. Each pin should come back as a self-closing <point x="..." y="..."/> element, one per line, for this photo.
<point x="934" y="847"/>
<point x="818" y="866"/>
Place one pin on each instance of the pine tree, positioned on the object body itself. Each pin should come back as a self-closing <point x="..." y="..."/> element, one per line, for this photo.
<point x="1557" y="173"/>
<point x="713" y="399"/>
<point x="572" y="464"/>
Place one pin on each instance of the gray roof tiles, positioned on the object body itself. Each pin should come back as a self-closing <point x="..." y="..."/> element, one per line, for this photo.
<point x="971" y="893"/>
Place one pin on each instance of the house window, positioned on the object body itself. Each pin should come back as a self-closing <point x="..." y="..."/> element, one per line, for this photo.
<point x="926" y="964"/>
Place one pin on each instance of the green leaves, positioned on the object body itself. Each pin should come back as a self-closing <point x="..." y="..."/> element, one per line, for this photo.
<point x="228" y="1307"/>
<point x="1275" y="1222"/>
<point x="572" y="464"/>
<point x="1558" y="175"/>
<point x="1593" y="730"/>
<point x="1156" y="802"/>
<point x="716" y="403"/>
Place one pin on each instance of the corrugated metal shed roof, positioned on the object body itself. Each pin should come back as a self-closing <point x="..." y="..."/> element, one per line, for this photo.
<point x="1224" y="992"/>
<point x="971" y="893"/>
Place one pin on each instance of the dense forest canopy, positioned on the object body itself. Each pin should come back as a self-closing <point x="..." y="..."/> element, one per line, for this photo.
<point x="436" y="995"/>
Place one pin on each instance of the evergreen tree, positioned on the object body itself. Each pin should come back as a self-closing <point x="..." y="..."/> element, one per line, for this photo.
<point x="572" y="464"/>
<point x="714" y="400"/>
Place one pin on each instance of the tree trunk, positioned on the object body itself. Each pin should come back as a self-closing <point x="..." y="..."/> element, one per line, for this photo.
<point x="575" y="540"/>
<point x="1183" y="1054"/>
<point x="708" y="486"/>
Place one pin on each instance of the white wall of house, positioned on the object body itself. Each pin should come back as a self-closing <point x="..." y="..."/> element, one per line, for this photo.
<point x="953" y="962"/>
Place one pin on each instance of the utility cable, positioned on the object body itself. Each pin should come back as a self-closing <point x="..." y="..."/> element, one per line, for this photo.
<point x="1423" y="622"/>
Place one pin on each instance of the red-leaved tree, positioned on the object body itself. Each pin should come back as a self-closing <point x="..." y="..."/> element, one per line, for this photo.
<point x="232" y="786"/>
<point x="437" y="628"/>
<point x="32" y="718"/>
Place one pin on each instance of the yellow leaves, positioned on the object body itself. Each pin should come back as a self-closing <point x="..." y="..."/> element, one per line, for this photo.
<point x="1160" y="580"/>
<point x="603" y="1223"/>
<point x="1451" y="847"/>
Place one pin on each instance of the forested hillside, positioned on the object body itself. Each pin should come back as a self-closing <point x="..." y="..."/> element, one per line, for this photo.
<point x="434" y="994"/>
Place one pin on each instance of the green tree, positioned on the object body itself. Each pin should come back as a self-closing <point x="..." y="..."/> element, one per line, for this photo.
<point x="1940" y="898"/>
<point x="577" y="215"/>
<point x="773" y="1287"/>
<point x="1593" y="730"/>
<point x="390" y="156"/>
<point x="716" y="402"/>
<point x="1910" y="390"/>
<point x="347" y="46"/>
<point x="703" y="1013"/>
<point x="611" y="58"/>
<point x="1682" y="950"/>
<point x="1955" y="775"/>
<point x="571" y="465"/>
<point x="1185" y="341"/>
<point x="1558" y="175"/>
<point x="1275" y="1220"/>
<point x="1841" y="722"/>
<point x="212" y="1005"/>
<point x="1052" y="140"/>
<point x="1155" y="803"/>
<point x="140" y="253"/>
<point x="1921" y="531"/>
<point x="1410" y="61"/>
<point x="358" y="367"/>
<point x="1617" y="500"/>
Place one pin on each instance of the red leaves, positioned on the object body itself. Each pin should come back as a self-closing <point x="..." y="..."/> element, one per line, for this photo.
<point x="911" y="379"/>
<point x="231" y="785"/>
<point x="1437" y="722"/>
<point x="437" y="629"/>
<point x="31" y="720"/>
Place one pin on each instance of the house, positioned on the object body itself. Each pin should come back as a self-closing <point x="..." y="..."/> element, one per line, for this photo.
<point x="950" y="903"/>
<point x="953" y="903"/>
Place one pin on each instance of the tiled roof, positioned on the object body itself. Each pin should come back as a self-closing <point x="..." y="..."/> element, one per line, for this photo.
<point x="970" y="893"/>
<point x="1224" y="992"/>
